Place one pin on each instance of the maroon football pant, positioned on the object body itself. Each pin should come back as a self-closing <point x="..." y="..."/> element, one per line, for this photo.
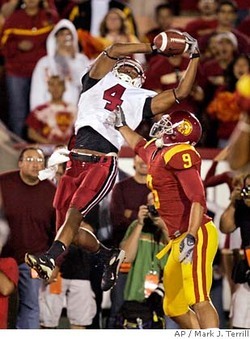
<point x="84" y="185"/>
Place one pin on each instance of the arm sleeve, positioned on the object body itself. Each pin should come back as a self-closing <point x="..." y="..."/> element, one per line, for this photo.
<point x="147" y="112"/>
<point x="140" y="149"/>
<point x="192" y="185"/>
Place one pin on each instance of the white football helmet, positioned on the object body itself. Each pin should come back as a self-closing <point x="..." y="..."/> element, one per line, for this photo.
<point x="128" y="61"/>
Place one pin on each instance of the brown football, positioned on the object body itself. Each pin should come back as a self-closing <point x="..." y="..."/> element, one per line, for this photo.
<point x="171" y="42"/>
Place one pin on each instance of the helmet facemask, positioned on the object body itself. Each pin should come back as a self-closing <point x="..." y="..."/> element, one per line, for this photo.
<point x="137" y="81"/>
<point x="163" y="127"/>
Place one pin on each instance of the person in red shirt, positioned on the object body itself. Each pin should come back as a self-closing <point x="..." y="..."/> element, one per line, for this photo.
<point x="8" y="274"/>
<point x="164" y="21"/>
<point x="227" y="13"/>
<point x="206" y="22"/>
<point x="23" y="43"/>
<point x="8" y="282"/>
<point x="31" y="218"/>
<point x="174" y="178"/>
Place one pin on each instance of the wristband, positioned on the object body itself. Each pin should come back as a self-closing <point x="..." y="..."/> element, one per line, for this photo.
<point x="194" y="55"/>
<point x="110" y="57"/>
<point x="154" y="49"/>
<point x="175" y="96"/>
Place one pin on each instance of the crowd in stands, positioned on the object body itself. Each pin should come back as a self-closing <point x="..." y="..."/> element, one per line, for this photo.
<point x="44" y="38"/>
<point x="46" y="46"/>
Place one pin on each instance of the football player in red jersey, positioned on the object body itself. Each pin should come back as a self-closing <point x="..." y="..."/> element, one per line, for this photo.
<point x="174" y="178"/>
<point x="113" y="79"/>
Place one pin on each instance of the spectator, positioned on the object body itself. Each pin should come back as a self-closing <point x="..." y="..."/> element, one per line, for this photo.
<point x="144" y="238"/>
<point x="237" y="215"/>
<point x="9" y="6"/>
<point x="53" y="121"/>
<point x="174" y="179"/>
<point x="243" y="25"/>
<point x="94" y="148"/>
<point x="31" y="218"/>
<point x="212" y="80"/>
<point x="224" y="108"/>
<point x="8" y="274"/>
<point x="221" y="264"/>
<point x="123" y="211"/>
<point x="226" y="16"/>
<point x="239" y="144"/>
<point x="105" y="232"/>
<point x="230" y="251"/>
<point x="164" y="20"/>
<point x="113" y="28"/>
<point x="70" y="289"/>
<point x="69" y="286"/>
<point x="88" y="14"/>
<point x="63" y="59"/>
<point x="22" y="48"/>
<point x="206" y="21"/>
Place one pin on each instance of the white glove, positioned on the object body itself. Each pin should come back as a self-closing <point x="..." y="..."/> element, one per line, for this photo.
<point x="186" y="249"/>
<point x="59" y="156"/>
<point x="119" y="117"/>
<point x="48" y="173"/>
<point x="192" y="43"/>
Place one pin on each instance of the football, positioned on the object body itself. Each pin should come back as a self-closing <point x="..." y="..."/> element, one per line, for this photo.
<point x="171" y="42"/>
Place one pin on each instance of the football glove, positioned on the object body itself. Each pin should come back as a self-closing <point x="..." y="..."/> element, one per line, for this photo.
<point x="193" y="48"/>
<point x="119" y="117"/>
<point x="186" y="249"/>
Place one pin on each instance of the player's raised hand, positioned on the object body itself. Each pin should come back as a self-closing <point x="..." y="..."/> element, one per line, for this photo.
<point x="119" y="117"/>
<point x="193" y="48"/>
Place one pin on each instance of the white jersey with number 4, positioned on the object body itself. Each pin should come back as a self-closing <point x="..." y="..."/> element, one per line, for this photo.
<point x="97" y="103"/>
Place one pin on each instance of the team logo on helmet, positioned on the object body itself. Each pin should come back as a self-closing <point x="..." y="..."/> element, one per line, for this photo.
<point x="185" y="127"/>
<point x="176" y="127"/>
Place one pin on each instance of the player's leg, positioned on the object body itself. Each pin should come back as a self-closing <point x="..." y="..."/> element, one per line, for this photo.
<point x="198" y="277"/>
<point x="175" y="305"/>
<point x="95" y="184"/>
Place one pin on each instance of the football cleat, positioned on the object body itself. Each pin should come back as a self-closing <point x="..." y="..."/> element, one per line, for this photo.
<point x="111" y="268"/>
<point x="43" y="264"/>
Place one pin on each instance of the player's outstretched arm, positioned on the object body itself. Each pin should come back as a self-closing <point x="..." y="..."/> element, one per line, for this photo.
<point x="163" y="101"/>
<point x="131" y="137"/>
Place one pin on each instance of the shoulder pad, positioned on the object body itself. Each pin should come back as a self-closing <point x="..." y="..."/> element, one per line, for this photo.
<point x="181" y="157"/>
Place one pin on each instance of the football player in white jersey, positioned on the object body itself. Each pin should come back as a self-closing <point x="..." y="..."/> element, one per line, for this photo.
<point x="113" y="79"/>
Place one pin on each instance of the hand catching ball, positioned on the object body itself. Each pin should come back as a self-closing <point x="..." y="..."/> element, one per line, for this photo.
<point x="171" y="42"/>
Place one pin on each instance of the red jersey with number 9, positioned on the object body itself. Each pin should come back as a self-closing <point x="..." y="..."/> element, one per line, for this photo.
<point x="174" y="178"/>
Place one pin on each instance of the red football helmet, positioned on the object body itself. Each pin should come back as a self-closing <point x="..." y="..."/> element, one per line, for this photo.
<point x="120" y="71"/>
<point x="176" y="128"/>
